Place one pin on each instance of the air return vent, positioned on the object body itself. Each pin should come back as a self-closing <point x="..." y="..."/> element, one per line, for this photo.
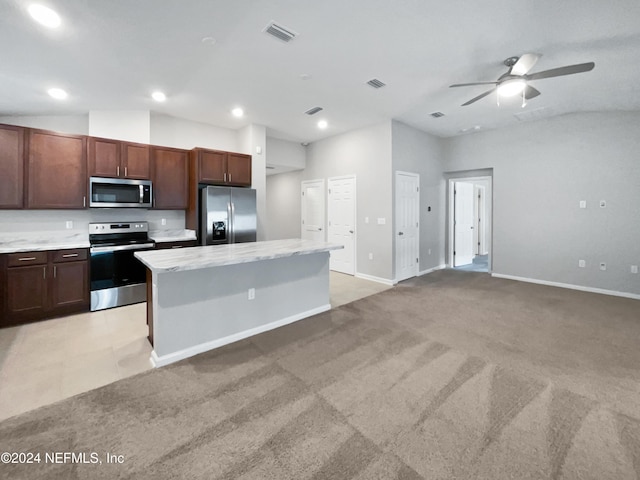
<point x="313" y="111"/>
<point x="281" y="33"/>
<point x="437" y="114"/>
<point x="375" y="83"/>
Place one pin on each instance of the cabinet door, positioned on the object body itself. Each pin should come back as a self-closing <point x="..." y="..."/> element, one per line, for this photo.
<point x="170" y="177"/>
<point x="104" y="157"/>
<point x="11" y="166"/>
<point x="239" y="169"/>
<point x="212" y="167"/>
<point x="135" y="161"/>
<point x="70" y="284"/>
<point x="57" y="170"/>
<point x="26" y="290"/>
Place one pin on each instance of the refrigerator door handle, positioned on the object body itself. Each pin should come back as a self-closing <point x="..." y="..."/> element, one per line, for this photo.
<point x="233" y="227"/>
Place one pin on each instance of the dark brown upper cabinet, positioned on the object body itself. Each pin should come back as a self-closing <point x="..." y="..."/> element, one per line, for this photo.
<point x="216" y="167"/>
<point x="11" y="166"/>
<point x="170" y="176"/>
<point x="113" y="158"/>
<point x="56" y="170"/>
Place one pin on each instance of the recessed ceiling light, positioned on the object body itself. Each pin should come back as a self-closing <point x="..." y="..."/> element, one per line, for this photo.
<point x="158" y="96"/>
<point x="44" y="15"/>
<point x="209" y="41"/>
<point x="57" y="93"/>
<point x="322" y="124"/>
<point x="237" y="112"/>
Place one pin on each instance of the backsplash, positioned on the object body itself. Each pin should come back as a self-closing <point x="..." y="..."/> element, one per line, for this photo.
<point x="14" y="223"/>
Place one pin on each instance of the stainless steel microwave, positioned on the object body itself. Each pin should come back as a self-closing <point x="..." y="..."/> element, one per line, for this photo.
<point x="119" y="193"/>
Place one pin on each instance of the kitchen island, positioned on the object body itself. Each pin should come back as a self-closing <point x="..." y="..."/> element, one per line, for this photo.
<point x="201" y="298"/>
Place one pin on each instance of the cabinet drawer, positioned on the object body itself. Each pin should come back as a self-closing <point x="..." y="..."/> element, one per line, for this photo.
<point x="180" y="244"/>
<point x="26" y="258"/>
<point x="71" y="255"/>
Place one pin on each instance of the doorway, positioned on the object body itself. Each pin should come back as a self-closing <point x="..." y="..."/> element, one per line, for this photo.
<point x="342" y="223"/>
<point x="312" y="210"/>
<point x="469" y="218"/>
<point x="407" y="229"/>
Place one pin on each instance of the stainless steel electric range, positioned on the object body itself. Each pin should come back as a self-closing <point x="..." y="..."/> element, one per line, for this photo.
<point x="117" y="277"/>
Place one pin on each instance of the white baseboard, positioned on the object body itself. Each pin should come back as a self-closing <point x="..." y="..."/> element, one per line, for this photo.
<point x="569" y="286"/>
<point x="429" y="270"/>
<point x="385" y="281"/>
<point x="161" y="361"/>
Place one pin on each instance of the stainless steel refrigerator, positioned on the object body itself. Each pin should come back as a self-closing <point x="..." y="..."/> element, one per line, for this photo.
<point x="227" y="215"/>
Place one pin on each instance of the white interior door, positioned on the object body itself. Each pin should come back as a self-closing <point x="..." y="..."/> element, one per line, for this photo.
<point x="407" y="229"/>
<point x="342" y="223"/>
<point x="463" y="223"/>
<point x="313" y="202"/>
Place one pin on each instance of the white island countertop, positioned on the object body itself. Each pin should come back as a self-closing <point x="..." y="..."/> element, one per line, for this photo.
<point x="195" y="258"/>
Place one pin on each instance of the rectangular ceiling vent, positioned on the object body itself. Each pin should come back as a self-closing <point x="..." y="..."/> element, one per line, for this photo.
<point x="375" y="83"/>
<point x="313" y="111"/>
<point x="437" y="114"/>
<point x="281" y="33"/>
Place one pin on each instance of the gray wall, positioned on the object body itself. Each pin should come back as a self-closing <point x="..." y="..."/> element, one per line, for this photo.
<point x="283" y="206"/>
<point x="365" y="153"/>
<point x="541" y="171"/>
<point x="285" y="156"/>
<point x="419" y="152"/>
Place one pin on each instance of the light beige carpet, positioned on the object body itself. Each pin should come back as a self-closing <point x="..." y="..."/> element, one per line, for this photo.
<point x="450" y="376"/>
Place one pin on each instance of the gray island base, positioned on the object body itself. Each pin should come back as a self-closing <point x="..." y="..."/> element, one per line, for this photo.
<point x="201" y="298"/>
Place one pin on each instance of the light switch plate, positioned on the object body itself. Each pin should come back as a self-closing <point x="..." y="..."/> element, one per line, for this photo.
<point x="583" y="204"/>
<point x="582" y="263"/>
<point x="69" y="224"/>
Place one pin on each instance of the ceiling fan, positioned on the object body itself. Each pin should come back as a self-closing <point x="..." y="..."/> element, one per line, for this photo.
<point x="516" y="80"/>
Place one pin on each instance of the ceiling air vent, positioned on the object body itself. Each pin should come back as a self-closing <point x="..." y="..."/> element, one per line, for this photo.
<point x="313" y="111"/>
<point x="437" y="114"/>
<point x="375" y="83"/>
<point x="281" y="33"/>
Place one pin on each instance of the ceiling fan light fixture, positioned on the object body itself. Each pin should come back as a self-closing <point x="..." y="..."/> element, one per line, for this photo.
<point x="511" y="87"/>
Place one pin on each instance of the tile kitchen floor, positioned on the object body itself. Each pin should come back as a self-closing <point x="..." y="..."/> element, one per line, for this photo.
<point x="43" y="362"/>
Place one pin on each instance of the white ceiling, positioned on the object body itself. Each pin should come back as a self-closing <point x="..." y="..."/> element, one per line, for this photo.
<point x="111" y="54"/>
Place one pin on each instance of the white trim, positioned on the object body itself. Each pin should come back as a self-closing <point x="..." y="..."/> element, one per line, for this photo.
<point x="430" y="270"/>
<point x="157" y="361"/>
<point x="602" y="291"/>
<point x="303" y="184"/>
<point x="384" y="281"/>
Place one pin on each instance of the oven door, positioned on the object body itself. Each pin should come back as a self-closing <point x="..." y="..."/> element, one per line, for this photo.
<point x="117" y="277"/>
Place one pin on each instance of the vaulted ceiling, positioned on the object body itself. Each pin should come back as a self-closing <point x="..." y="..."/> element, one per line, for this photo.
<point x="113" y="54"/>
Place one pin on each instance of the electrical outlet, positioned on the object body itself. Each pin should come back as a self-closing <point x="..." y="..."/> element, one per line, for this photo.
<point x="251" y="294"/>
<point x="69" y="224"/>
<point x="371" y="256"/>
<point x="603" y="204"/>
<point x="429" y="251"/>
<point x="583" y="204"/>
<point x="382" y="221"/>
<point x="582" y="263"/>
<point x="634" y="268"/>
<point x="366" y="219"/>
<point x="163" y="221"/>
<point x="603" y="266"/>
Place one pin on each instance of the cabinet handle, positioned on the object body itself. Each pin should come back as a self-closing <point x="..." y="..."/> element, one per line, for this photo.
<point x="54" y="271"/>
<point x="225" y="177"/>
<point x="177" y="246"/>
<point x="229" y="178"/>
<point x="84" y="201"/>
<point x="44" y="272"/>
<point x="118" y="170"/>
<point x="26" y="259"/>
<point x="69" y="255"/>
<point x="125" y="171"/>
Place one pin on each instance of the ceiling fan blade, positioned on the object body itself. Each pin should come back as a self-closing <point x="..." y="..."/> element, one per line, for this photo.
<point x="557" y="72"/>
<point x="530" y="92"/>
<point x="475" y="99"/>
<point x="524" y="64"/>
<point x="471" y="84"/>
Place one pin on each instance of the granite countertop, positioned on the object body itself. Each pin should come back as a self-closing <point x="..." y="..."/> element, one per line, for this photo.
<point x="182" y="235"/>
<point x="42" y="241"/>
<point x="195" y="258"/>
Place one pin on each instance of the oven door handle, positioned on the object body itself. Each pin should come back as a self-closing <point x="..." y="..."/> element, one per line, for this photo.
<point x="117" y="248"/>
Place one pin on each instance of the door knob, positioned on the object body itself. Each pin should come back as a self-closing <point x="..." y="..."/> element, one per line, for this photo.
<point x="320" y="229"/>
<point x="350" y="231"/>
<point x="400" y="233"/>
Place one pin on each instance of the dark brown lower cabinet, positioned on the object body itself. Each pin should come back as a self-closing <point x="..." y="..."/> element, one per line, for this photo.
<point x="40" y="285"/>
